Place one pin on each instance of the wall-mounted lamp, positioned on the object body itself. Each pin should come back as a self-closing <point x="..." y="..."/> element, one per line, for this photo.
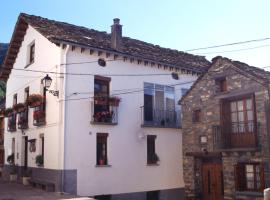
<point x="175" y="76"/>
<point x="47" y="81"/>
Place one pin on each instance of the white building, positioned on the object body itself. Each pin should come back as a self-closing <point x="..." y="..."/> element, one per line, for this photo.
<point x="90" y="145"/>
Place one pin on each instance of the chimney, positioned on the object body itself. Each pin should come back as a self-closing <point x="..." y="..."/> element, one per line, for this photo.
<point x="116" y="34"/>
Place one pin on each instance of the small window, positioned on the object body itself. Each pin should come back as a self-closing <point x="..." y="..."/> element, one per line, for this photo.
<point x="42" y="145"/>
<point x="14" y="99"/>
<point x="152" y="157"/>
<point x="249" y="177"/>
<point x="221" y="84"/>
<point x="102" y="149"/>
<point x="196" y="115"/>
<point x="26" y="94"/>
<point x="152" y="195"/>
<point x="32" y="53"/>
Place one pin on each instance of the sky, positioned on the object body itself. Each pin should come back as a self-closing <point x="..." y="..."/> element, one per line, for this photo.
<point x="175" y="24"/>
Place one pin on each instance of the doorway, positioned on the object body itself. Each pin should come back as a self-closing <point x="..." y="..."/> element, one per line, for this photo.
<point x="212" y="181"/>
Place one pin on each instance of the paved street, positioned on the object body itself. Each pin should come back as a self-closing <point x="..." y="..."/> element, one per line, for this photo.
<point x="14" y="191"/>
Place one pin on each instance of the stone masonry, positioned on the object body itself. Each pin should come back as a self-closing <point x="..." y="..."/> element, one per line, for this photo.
<point x="241" y="79"/>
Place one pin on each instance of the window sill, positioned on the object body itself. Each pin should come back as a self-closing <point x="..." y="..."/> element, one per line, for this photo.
<point x="152" y="164"/>
<point x="102" y="165"/>
<point x="249" y="193"/>
<point x="103" y="123"/>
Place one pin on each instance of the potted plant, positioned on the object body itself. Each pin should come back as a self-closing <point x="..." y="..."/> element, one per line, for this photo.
<point x="114" y="101"/>
<point x="10" y="159"/>
<point x="154" y="158"/>
<point x="101" y="161"/>
<point x="8" y="112"/>
<point x="39" y="160"/>
<point x="34" y="100"/>
<point x="26" y="177"/>
<point x="19" y="107"/>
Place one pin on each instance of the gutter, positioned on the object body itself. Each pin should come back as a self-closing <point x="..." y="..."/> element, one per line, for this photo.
<point x="62" y="118"/>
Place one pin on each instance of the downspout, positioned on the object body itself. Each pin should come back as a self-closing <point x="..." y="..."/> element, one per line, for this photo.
<point x="62" y="115"/>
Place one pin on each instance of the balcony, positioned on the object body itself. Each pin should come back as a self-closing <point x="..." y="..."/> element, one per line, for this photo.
<point x="160" y="118"/>
<point x="39" y="117"/>
<point x="105" y="114"/>
<point x="235" y="135"/>
<point x="12" y="122"/>
<point x="23" y="120"/>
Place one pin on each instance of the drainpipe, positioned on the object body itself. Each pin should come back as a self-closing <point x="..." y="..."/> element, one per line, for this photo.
<point x="62" y="115"/>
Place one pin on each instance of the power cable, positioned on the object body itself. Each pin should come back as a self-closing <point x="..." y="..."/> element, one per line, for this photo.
<point x="229" y="44"/>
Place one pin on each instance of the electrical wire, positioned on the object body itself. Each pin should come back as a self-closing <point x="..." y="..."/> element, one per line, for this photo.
<point x="229" y="51"/>
<point x="229" y="44"/>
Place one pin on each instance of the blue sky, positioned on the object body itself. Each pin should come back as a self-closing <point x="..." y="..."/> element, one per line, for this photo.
<point x="175" y="24"/>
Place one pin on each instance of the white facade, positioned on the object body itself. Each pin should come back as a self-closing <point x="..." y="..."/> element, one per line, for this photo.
<point x="70" y="138"/>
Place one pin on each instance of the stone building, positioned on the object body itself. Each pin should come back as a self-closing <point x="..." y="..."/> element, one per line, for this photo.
<point x="226" y="132"/>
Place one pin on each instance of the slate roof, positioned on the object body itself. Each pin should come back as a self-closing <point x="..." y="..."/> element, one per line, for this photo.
<point x="257" y="73"/>
<point x="61" y="31"/>
<point x="3" y="51"/>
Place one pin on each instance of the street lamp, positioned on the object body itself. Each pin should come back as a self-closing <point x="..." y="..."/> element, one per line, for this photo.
<point x="47" y="81"/>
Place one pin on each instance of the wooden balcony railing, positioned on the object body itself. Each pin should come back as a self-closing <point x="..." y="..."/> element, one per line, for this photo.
<point x="160" y="118"/>
<point x="235" y="135"/>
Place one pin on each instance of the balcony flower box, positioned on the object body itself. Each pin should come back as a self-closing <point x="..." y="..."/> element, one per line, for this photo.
<point x="8" y="112"/>
<point x="35" y="100"/>
<point x="103" y="116"/>
<point x="19" y="107"/>
<point x="114" y="101"/>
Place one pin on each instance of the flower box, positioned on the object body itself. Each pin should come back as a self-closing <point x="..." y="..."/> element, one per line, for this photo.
<point x="35" y="100"/>
<point x="20" y="107"/>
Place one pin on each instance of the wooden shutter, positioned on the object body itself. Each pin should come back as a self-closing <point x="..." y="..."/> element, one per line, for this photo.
<point x="261" y="177"/>
<point x="239" y="177"/>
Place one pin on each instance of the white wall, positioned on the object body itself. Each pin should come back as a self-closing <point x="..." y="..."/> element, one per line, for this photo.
<point x="126" y="151"/>
<point x="47" y="57"/>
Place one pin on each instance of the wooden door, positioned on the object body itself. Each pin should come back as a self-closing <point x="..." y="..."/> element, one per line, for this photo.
<point x="25" y="152"/>
<point x="212" y="179"/>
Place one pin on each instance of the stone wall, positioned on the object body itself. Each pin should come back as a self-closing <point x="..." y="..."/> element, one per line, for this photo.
<point x="204" y="96"/>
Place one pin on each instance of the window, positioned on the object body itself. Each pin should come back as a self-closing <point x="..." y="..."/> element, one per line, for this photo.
<point x="249" y="177"/>
<point x="26" y="94"/>
<point x="42" y="145"/>
<point x="152" y="157"/>
<point x="196" y="115"/>
<point x="14" y="99"/>
<point x="159" y="103"/>
<point x="221" y="84"/>
<point x="102" y="149"/>
<point x="32" y="53"/>
<point x="102" y="111"/>
<point x="152" y="195"/>
<point x="242" y="115"/>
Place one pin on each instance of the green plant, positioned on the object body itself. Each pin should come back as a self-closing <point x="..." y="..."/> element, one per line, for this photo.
<point x="10" y="158"/>
<point x="8" y="112"/>
<point x="39" y="160"/>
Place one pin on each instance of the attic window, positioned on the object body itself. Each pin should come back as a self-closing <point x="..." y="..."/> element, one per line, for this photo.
<point x="31" y="53"/>
<point x="221" y="84"/>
